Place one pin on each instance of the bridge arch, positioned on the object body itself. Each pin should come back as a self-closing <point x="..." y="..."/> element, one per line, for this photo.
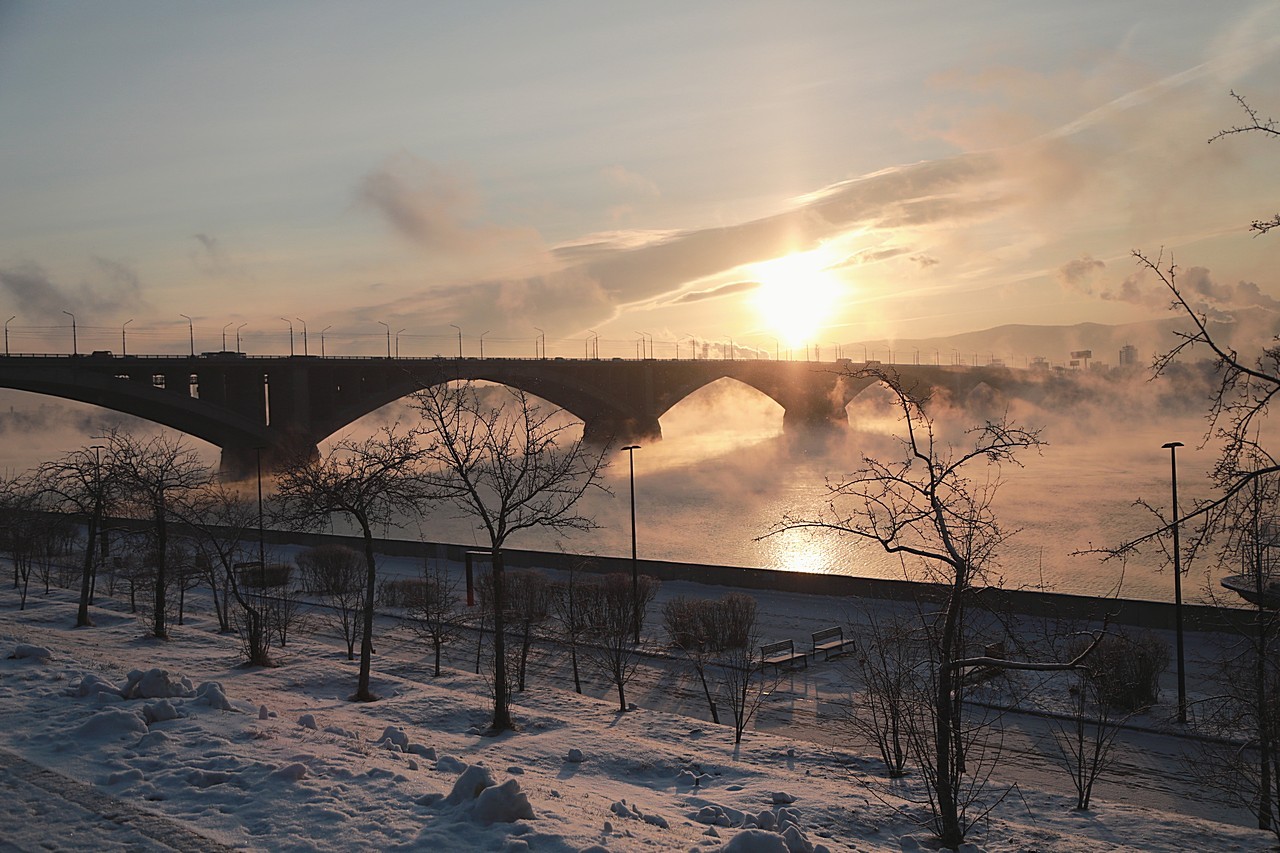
<point x="710" y="406"/>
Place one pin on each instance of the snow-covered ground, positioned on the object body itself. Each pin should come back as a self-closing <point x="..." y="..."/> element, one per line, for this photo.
<point x="100" y="750"/>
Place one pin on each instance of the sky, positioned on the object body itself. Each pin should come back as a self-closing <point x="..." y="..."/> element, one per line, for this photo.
<point x="778" y="175"/>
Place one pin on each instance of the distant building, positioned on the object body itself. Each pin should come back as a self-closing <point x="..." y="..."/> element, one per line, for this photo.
<point x="1128" y="356"/>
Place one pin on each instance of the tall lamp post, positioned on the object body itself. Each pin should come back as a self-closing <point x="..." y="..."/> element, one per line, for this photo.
<point x="238" y="328"/>
<point x="1177" y="583"/>
<point x="322" y="331"/>
<point x="6" y="333"/>
<point x="459" y="328"/>
<point x="75" y="347"/>
<point x="482" y="334"/>
<point x="124" y="350"/>
<point x="290" y="322"/>
<point x="635" y="574"/>
<point x="540" y="344"/>
<point x="224" y="338"/>
<point x="191" y="334"/>
<point x="388" y="328"/>
<point x="305" y="352"/>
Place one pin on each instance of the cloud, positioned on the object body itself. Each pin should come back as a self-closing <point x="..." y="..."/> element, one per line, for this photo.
<point x="211" y="257"/>
<point x="36" y="296"/>
<point x="1081" y="274"/>
<point x="716" y="292"/>
<point x="630" y="181"/>
<point x="438" y="211"/>
<point x="597" y="278"/>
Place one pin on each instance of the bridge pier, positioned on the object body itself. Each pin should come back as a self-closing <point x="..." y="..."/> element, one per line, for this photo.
<point x="605" y="429"/>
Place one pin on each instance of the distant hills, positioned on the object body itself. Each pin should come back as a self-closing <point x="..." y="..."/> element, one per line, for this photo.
<point x="1018" y="344"/>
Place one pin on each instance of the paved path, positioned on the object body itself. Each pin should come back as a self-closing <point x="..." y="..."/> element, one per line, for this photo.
<point x="43" y="810"/>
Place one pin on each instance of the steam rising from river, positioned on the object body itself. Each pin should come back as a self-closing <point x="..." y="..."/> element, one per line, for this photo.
<point x="725" y="474"/>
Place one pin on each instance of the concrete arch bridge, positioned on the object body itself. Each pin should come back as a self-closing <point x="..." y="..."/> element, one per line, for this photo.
<point x="278" y="406"/>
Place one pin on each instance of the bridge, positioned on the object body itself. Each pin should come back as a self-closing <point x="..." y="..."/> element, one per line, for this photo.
<point x="273" y="407"/>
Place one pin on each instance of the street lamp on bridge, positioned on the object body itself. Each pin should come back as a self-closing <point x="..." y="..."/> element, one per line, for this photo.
<point x="304" y="335"/>
<point x="482" y="334"/>
<point x="224" y="338"/>
<point x="540" y="340"/>
<point x="124" y="350"/>
<point x="238" y="328"/>
<point x="6" y="333"/>
<point x="290" y="322"/>
<point x="459" y="328"/>
<point x="191" y="334"/>
<point x="75" y="347"/>
<point x="595" y="343"/>
<point x="388" y="328"/>
<point x="322" y="331"/>
<point x="398" y="331"/>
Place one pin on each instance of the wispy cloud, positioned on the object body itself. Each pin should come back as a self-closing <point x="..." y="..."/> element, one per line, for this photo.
<point x="35" y="295"/>
<point x="211" y="257"/>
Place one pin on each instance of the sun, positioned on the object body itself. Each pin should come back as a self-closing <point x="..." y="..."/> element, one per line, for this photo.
<point x="797" y="295"/>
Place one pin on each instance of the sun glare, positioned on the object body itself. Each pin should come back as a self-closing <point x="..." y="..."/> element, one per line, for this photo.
<point x="797" y="294"/>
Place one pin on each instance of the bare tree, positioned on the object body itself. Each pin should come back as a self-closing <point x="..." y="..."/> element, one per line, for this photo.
<point x="79" y="482"/>
<point x="377" y="481"/>
<point x="434" y="611"/>
<point x="336" y="574"/>
<point x="575" y="602"/>
<point x="154" y="474"/>
<point x="21" y="508"/>
<point x="511" y="468"/>
<point x="1243" y="478"/>
<point x="708" y="631"/>
<point x="888" y="666"/>
<point x="223" y="523"/>
<point x="528" y="607"/>
<point x="1266" y="127"/>
<point x="741" y="662"/>
<point x="924" y="504"/>
<point x="1119" y="678"/>
<point x="613" y="650"/>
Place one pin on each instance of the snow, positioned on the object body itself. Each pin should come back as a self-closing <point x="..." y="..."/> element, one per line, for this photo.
<point x="240" y="757"/>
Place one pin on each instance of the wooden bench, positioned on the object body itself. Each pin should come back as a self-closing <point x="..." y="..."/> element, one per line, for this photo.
<point x="830" y="641"/>
<point x="780" y="654"/>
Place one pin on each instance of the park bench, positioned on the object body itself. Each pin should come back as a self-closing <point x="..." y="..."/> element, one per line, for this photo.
<point x="780" y="654"/>
<point x="830" y="641"/>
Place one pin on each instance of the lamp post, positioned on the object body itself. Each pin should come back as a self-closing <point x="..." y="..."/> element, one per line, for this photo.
<point x="262" y="548"/>
<point x="191" y="334"/>
<point x="595" y="343"/>
<point x="290" y="322"/>
<point x="224" y="338"/>
<point x="541" y="339"/>
<point x="388" y="328"/>
<point x="635" y="574"/>
<point x="322" y="331"/>
<point x="1177" y="582"/>
<point x="75" y="349"/>
<point x="304" y="335"/>
<point x="482" y="334"/>
<point x="398" y="331"/>
<point x="238" y="328"/>
<point x="124" y="350"/>
<point x="6" y="333"/>
<point x="459" y="328"/>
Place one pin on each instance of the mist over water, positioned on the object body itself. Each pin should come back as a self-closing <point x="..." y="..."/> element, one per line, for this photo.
<point x="724" y="475"/>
